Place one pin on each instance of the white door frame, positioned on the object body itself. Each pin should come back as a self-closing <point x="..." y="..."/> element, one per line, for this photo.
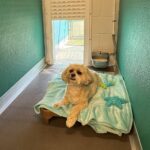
<point x="87" y="34"/>
<point x="47" y="22"/>
<point x="47" y="30"/>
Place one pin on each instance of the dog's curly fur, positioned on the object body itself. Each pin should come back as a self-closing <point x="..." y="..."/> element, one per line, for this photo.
<point x="81" y="86"/>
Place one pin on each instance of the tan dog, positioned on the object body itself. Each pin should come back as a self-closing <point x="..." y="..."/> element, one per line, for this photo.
<point x="82" y="86"/>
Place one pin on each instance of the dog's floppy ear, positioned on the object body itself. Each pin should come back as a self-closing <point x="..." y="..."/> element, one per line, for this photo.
<point x="88" y="77"/>
<point x="64" y="75"/>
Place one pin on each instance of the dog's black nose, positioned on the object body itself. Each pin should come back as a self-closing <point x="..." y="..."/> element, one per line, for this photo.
<point x="73" y="75"/>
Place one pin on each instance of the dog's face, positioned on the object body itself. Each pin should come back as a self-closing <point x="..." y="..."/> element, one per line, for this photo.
<point x="77" y="74"/>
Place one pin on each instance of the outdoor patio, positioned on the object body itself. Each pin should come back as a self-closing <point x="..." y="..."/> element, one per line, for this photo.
<point x="69" y="54"/>
<point x="68" y="42"/>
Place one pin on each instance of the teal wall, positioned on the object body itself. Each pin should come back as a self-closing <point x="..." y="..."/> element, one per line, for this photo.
<point x="21" y="39"/>
<point x="134" y="61"/>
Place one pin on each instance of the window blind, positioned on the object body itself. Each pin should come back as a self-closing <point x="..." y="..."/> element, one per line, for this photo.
<point x="68" y="9"/>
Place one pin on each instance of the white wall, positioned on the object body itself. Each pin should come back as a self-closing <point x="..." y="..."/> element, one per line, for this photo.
<point x="104" y="12"/>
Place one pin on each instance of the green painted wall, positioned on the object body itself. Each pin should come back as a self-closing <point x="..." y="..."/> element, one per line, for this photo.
<point x="21" y="39"/>
<point x="134" y="61"/>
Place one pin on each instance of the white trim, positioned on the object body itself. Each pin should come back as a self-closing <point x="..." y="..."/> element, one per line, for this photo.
<point x="19" y="86"/>
<point x="87" y="34"/>
<point x="135" y="140"/>
<point x="46" y="4"/>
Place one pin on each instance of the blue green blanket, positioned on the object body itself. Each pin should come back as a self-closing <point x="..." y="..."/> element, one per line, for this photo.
<point x="108" y="111"/>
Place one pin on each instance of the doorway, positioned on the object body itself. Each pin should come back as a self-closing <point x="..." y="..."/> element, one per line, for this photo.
<point x="68" y="41"/>
<point x="72" y="10"/>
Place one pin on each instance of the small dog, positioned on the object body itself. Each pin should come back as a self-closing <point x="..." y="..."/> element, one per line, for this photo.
<point x="81" y="87"/>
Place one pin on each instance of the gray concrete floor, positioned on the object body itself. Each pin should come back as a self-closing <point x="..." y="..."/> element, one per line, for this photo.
<point x="22" y="129"/>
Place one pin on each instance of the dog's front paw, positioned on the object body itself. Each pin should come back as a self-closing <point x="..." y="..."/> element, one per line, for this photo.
<point x="71" y="121"/>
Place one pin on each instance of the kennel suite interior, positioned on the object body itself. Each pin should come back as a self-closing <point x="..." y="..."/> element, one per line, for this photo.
<point x="118" y="28"/>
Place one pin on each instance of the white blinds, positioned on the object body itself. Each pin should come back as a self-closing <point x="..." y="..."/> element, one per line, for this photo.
<point x="68" y="9"/>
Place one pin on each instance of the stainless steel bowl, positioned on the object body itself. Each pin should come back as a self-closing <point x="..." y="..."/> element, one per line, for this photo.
<point x="100" y="60"/>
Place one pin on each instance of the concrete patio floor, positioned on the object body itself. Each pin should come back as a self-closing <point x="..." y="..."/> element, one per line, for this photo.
<point x="69" y="54"/>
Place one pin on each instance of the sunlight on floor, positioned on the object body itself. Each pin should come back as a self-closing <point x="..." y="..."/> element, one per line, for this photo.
<point x="69" y="54"/>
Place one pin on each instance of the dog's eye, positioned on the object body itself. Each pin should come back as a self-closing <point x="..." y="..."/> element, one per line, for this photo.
<point x="79" y="72"/>
<point x="71" y="70"/>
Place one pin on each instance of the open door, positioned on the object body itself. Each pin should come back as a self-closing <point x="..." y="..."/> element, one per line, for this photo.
<point x="66" y="10"/>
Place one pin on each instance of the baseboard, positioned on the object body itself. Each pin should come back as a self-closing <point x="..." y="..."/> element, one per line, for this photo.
<point x="134" y="136"/>
<point x="134" y="139"/>
<point x="19" y="86"/>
